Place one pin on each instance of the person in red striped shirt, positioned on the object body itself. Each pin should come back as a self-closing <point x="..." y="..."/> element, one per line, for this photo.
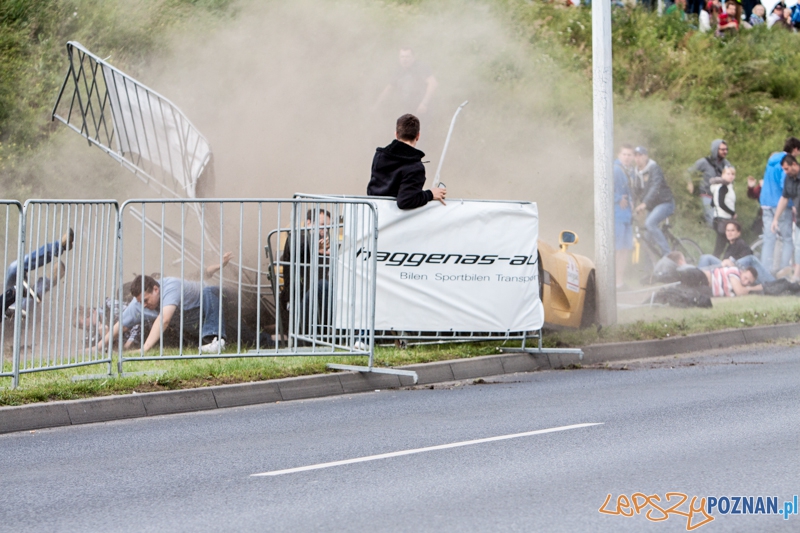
<point x="731" y="281"/>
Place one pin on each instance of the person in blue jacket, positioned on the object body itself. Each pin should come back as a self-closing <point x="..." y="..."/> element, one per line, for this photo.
<point x="771" y="191"/>
<point x="623" y="213"/>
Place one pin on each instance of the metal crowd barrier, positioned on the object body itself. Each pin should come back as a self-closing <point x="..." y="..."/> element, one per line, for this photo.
<point x="10" y="217"/>
<point x="286" y="302"/>
<point x="65" y="283"/>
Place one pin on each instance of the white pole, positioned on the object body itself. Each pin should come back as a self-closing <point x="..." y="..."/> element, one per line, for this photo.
<point x="603" y="160"/>
<point x="437" y="179"/>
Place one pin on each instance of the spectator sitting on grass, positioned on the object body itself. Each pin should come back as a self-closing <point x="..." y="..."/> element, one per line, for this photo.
<point x="776" y="14"/>
<point x="728" y="21"/>
<point x="737" y="254"/>
<point x="757" y="16"/>
<point x="679" y="8"/>
<point x="708" y="16"/>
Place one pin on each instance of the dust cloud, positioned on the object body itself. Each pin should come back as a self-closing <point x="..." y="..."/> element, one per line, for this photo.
<point x="286" y="94"/>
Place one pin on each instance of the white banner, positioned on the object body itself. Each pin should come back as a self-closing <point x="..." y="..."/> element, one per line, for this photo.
<point x="466" y="266"/>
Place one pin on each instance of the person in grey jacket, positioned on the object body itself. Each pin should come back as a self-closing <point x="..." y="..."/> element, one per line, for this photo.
<point x="656" y="198"/>
<point x="706" y="169"/>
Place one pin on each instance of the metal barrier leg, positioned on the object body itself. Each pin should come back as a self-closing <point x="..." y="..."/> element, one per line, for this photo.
<point x="543" y="351"/>
<point x="394" y="371"/>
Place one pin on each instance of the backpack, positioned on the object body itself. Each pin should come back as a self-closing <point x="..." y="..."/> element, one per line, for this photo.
<point x="682" y="297"/>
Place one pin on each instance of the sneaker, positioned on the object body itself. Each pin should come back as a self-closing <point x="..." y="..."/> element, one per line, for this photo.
<point x="361" y="346"/>
<point x="214" y="346"/>
<point x="67" y="240"/>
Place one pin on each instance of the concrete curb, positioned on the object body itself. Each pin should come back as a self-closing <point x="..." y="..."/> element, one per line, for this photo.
<point x="104" y="409"/>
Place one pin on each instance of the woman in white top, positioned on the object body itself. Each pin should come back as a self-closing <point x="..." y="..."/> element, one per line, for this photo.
<point x="723" y="200"/>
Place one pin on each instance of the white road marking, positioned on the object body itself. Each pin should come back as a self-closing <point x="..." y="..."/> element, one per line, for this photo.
<point x="421" y="450"/>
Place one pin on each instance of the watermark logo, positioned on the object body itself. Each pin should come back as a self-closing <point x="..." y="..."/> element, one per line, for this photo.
<point x="699" y="511"/>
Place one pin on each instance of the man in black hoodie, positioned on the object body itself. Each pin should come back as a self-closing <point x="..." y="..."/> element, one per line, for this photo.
<point x="397" y="169"/>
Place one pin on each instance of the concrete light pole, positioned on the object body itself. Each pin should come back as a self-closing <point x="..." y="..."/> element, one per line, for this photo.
<point x="603" y="103"/>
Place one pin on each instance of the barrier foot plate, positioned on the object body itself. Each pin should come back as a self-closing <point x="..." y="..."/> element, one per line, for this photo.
<point x="410" y="373"/>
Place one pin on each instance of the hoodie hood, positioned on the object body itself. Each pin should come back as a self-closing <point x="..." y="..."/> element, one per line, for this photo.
<point x="715" y="149"/>
<point x="775" y="159"/>
<point x="650" y="164"/>
<point x="401" y="151"/>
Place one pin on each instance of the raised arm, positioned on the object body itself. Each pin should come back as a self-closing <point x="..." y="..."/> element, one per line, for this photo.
<point x="213" y="269"/>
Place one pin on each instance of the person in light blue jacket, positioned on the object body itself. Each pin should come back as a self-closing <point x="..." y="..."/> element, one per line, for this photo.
<point x="771" y="191"/>
<point x="623" y="213"/>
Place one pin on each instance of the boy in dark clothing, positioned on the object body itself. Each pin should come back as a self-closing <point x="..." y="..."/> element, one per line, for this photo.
<point x="397" y="169"/>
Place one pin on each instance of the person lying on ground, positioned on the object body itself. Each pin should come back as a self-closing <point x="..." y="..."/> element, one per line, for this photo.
<point x="729" y="281"/>
<point x="181" y="300"/>
<point x="36" y="259"/>
<point x="737" y="254"/>
<point x="397" y="169"/>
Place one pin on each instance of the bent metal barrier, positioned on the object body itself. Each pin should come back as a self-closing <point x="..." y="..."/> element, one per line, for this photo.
<point x="287" y="301"/>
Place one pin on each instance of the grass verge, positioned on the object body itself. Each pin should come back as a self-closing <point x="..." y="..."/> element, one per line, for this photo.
<point x="635" y="325"/>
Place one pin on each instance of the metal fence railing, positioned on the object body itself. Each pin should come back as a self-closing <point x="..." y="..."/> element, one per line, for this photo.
<point x="244" y="278"/>
<point x="10" y="218"/>
<point x="64" y="282"/>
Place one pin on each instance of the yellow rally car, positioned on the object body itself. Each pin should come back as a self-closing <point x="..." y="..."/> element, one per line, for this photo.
<point x="566" y="285"/>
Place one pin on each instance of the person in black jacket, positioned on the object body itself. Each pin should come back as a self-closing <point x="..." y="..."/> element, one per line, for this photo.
<point x="397" y="169"/>
<point x="655" y="196"/>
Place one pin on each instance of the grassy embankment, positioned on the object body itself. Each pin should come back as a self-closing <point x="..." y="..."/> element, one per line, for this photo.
<point x="675" y="91"/>
<point x="33" y="36"/>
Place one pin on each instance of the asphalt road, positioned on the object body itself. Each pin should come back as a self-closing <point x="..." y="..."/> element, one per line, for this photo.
<point x="719" y="424"/>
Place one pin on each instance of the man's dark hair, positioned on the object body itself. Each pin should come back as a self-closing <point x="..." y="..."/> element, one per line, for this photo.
<point x="310" y="213"/>
<point x="735" y="224"/>
<point x="407" y="127"/>
<point x="792" y="143"/>
<point x="753" y="271"/>
<point x="625" y="146"/>
<point x="788" y="159"/>
<point x="136" y="286"/>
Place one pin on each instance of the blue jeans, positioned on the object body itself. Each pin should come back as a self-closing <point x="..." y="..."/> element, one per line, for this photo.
<point x="212" y="314"/>
<point x="37" y="258"/>
<point x="709" y="262"/>
<point x="769" y="238"/>
<point x="654" y="220"/>
<point x="708" y="211"/>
